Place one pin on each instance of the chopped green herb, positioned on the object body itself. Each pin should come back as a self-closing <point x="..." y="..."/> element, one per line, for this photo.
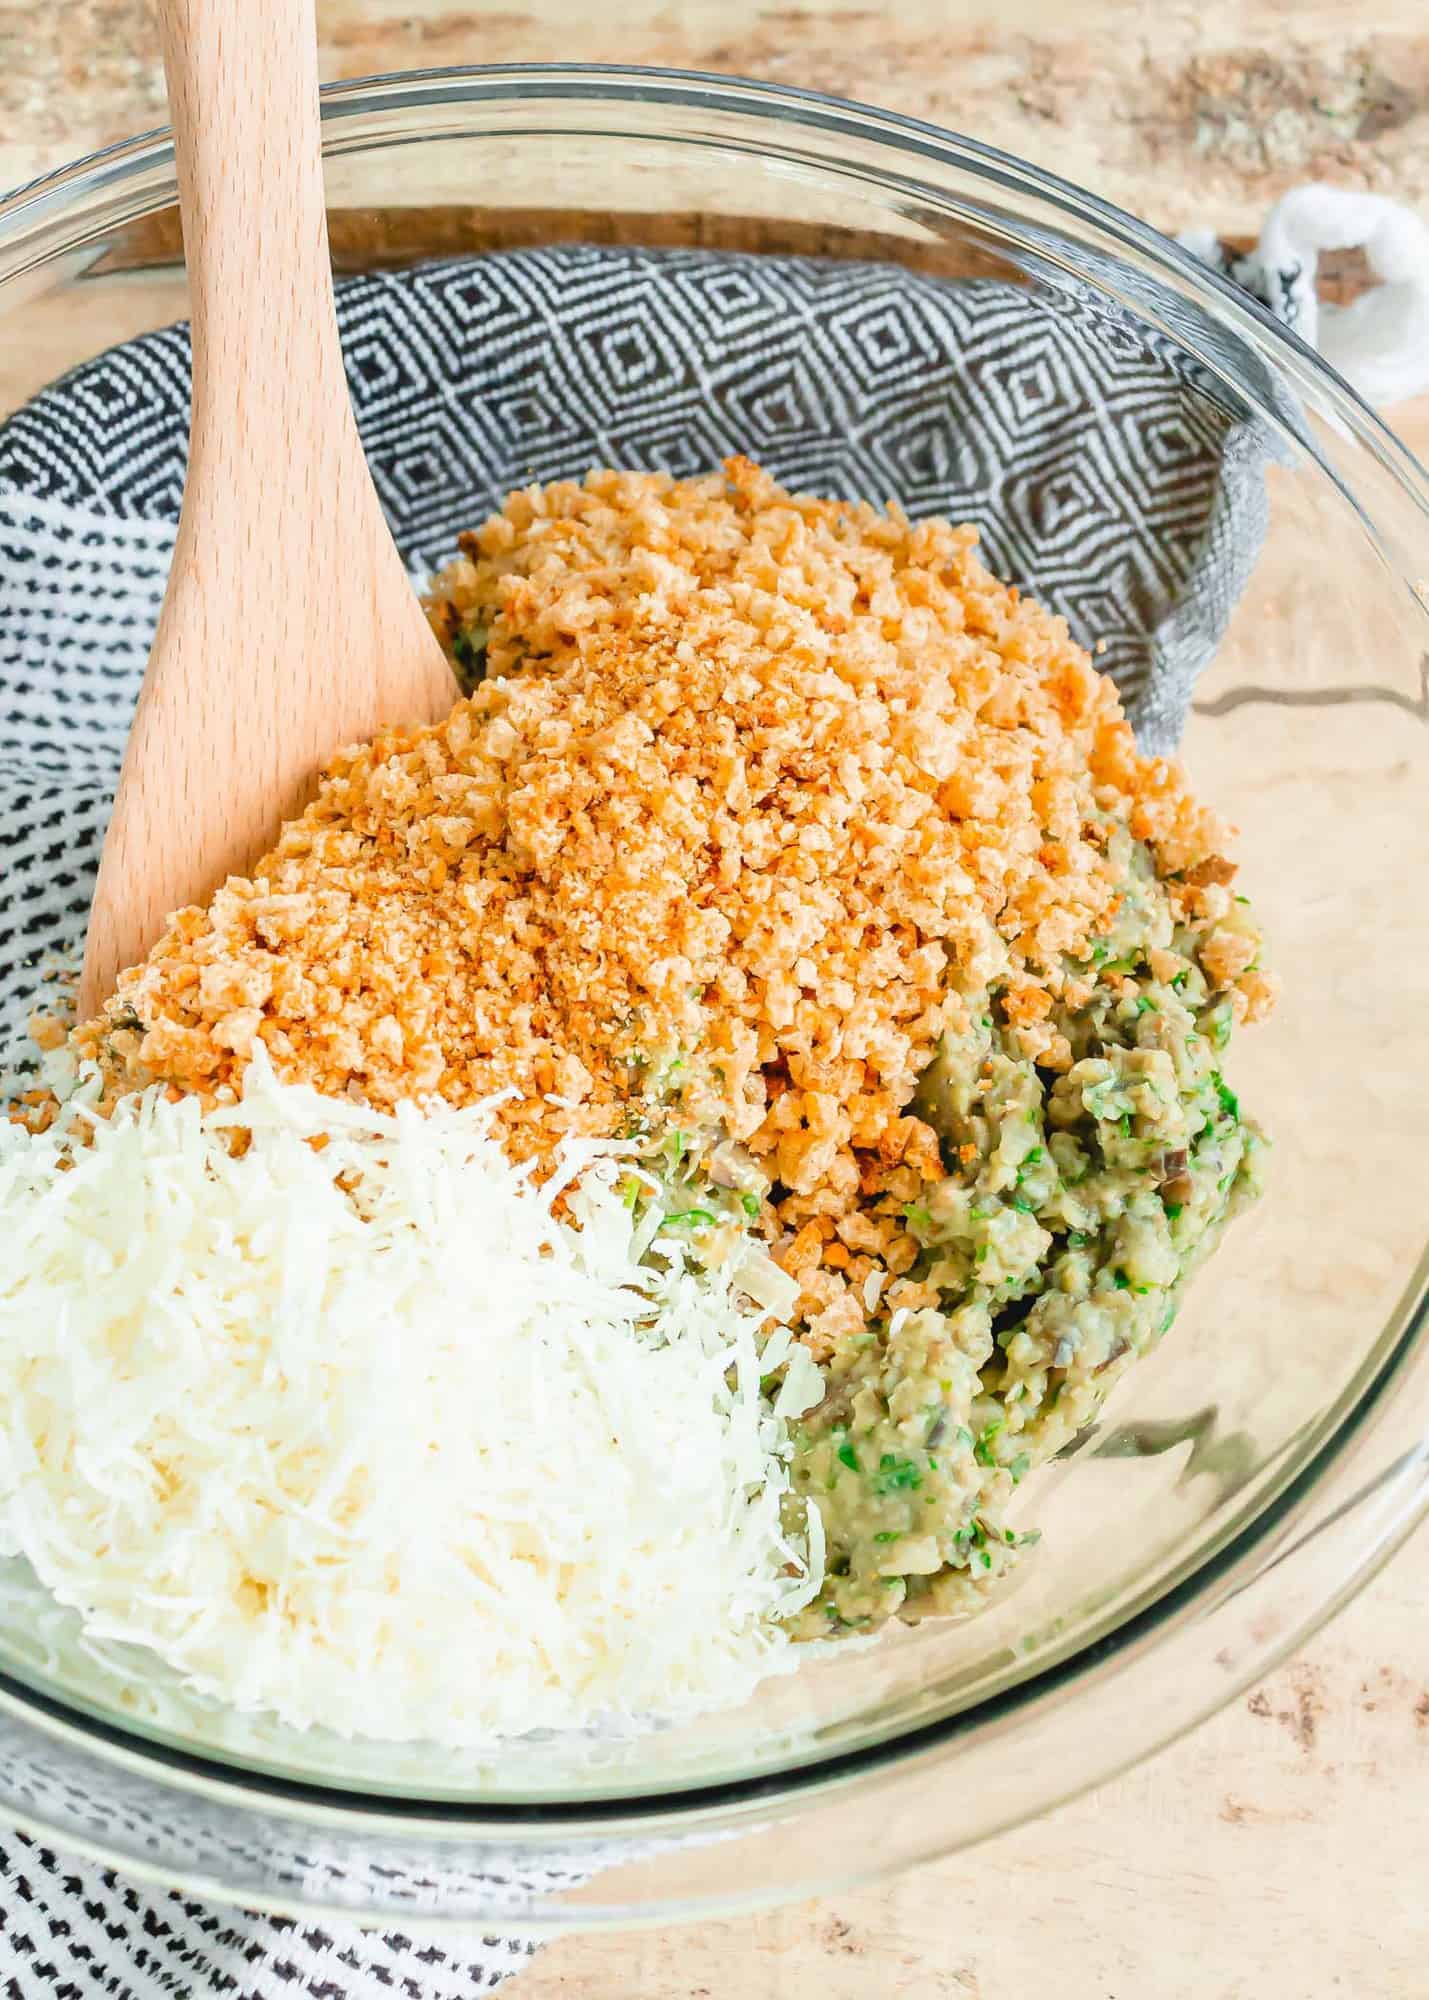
<point x="749" y="1203"/>
<point x="1019" y="1466"/>
<point x="1181" y="977"/>
<point x="1218" y="1020"/>
<point x="469" y="649"/>
<point x="896" y="1475"/>
<point x="1229" y="1102"/>
<point x="1121" y="1281"/>
<point x="1023" y="1206"/>
<point x="846" y="1455"/>
<point x="1124" y="1123"/>
<point x="1031" y="1159"/>
<point x="889" y="1535"/>
<point x="983" y="1449"/>
<point x="917" y="1214"/>
<point x="1078" y="1239"/>
<point x="1173" y="1210"/>
<point x="1146" y="1005"/>
<point x="692" y="1218"/>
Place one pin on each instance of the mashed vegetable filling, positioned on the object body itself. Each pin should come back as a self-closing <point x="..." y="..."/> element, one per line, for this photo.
<point x="1048" y="1262"/>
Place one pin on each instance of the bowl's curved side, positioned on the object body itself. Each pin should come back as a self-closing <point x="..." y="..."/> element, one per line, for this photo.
<point x="1346" y="1478"/>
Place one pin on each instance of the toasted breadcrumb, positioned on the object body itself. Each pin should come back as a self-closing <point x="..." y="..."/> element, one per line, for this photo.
<point x="757" y="793"/>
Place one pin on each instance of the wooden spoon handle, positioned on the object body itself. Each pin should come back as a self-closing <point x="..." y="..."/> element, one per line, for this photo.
<point x="243" y="96"/>
<point x="289" y="627"/>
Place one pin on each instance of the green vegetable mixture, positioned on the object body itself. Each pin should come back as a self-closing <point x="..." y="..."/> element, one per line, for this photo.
<point x="1059" y="1253"/>
<point x="1059" y="1244"/>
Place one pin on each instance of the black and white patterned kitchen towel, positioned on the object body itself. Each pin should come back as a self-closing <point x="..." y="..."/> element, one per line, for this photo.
<point x="72" y="1931"/>
<point x="1114" y="480"/>
<point x="1107" y="475"/>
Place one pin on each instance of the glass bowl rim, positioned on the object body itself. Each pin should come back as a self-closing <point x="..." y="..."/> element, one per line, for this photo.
<point x="48" y="198"/>
<point x="613" y="83"/>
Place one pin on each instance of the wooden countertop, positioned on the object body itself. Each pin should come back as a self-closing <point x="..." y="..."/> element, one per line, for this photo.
<point x="1275" y="1852"/>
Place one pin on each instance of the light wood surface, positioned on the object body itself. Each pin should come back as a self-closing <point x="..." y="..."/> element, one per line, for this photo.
<point x="1181" y="110"/>
<point x="289" y="627"/>
<point x="1277" y="1853"/>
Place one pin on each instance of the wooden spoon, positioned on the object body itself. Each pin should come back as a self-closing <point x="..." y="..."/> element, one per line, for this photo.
<point x="289" y="627"/>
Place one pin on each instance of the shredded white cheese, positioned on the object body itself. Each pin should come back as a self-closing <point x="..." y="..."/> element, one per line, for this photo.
<point x="408" y="1457"/>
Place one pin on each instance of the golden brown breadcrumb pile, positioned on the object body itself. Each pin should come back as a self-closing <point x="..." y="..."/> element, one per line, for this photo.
<point x="755" y="791"/>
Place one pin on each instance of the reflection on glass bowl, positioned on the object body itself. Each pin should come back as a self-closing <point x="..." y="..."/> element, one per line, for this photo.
<point x="1253" y="1471"/>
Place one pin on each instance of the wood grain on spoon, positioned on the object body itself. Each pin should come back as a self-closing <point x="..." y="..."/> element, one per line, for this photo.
<point x="289" y="627"/>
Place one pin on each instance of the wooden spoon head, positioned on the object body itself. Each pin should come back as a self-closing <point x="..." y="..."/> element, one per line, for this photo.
<point x="289" y="627"/>
<point x="264" y="665"/>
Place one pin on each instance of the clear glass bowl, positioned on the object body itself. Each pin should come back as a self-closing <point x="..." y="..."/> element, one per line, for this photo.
<point x="1256" y="1470"/>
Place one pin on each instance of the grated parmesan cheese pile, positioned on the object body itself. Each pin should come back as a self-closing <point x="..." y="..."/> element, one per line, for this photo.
<point x="366" y="1433"/>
